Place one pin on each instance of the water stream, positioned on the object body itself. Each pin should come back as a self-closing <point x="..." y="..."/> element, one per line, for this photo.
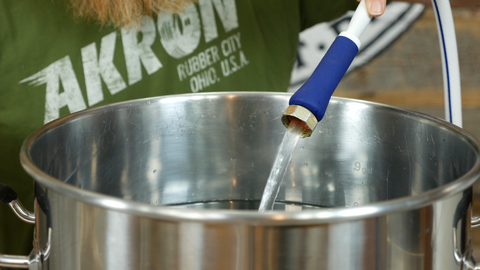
<point x="280" y="166"/>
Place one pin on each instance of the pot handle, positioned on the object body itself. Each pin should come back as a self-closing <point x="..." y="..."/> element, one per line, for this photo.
<point x="8" y="195"/>
<point x="475" y="221"/>
<point x="470" y="262"/>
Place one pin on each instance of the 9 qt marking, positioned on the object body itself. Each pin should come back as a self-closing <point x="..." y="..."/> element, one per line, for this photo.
<point x="365" y="170"/>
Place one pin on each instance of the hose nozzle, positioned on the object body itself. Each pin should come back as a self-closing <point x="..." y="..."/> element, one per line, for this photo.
<point x="307" y="119"/>
<point x="310" y="102"/>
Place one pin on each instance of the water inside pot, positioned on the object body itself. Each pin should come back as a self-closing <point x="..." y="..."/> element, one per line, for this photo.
<point x="247" y="205"/>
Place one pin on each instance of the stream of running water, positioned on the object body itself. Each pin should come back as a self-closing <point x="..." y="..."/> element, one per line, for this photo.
<point x="280" y="166"/>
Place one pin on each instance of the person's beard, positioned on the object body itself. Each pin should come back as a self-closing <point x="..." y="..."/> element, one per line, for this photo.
<point x="122" y="13"/>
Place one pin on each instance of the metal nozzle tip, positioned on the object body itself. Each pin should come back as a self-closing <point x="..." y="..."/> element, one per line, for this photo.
<point x="302" y="114"/>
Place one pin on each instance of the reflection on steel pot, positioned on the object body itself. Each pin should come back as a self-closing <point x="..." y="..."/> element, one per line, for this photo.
<point x="174" y="183"/>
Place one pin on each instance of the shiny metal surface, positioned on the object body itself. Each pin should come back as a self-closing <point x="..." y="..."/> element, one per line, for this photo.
<point x="32" y="262"/>
<point x="12" y="261"/>
<point x="21" y="212"/>
<point x="302" y="114"/>
<point x="124" y="187"/>
<point x="475" y="221"/>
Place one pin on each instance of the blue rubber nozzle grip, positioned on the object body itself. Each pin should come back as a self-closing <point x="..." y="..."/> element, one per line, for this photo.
<point x="316" y="92"/>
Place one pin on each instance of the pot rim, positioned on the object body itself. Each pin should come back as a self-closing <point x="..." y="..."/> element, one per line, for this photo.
<point x="251" y="217"/>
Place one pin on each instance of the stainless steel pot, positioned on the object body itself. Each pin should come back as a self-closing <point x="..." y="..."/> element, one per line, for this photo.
<point x="174" y="182"/>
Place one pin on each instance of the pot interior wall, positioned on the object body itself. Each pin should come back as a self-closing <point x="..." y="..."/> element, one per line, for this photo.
<point x="216" y="151"/>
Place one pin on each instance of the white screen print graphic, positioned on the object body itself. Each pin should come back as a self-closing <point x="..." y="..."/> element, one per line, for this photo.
<point x="179" y="35"/>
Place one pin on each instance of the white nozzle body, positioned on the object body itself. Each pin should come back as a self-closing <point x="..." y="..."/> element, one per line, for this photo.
<point x="357" y="25"/>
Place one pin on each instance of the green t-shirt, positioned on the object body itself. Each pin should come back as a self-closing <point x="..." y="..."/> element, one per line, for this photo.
<point x="52" y="65"/>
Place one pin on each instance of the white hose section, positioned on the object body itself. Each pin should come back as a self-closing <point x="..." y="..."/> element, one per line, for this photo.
<point x="450" y="66"/>
<point x="358" y="23"/>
